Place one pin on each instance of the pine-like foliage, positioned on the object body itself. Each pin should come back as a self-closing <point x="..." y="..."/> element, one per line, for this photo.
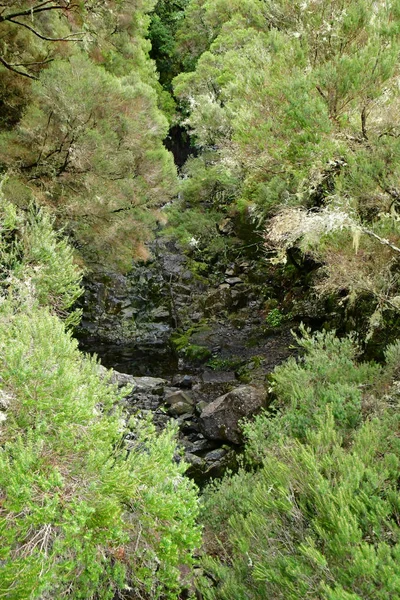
<point x="38" y="265"/>
<point x="295" y="104"/>
<point x="83" y="511"/>
<point x="320" y="517"/>
<point x="165" y="21"/>
<point x="87" y="140"/>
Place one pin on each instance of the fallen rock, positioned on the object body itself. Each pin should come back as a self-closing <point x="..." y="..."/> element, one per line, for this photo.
<point x="217" y="461"/>
<point x="180" y="404"/>
<point x="181" y="409"/>
<point x="202" y="444"/>
<point x="220" y="419"/>
<point x="194" y="460"/>
<point x="219" y="377"/>
<point x="173" y="398"/>
<point x="149" y="385"/>
<point x="140" y="385"/>
<point x="215" y="455"/>
<point x="189" y="427"/>
<point x="186" y="383"/>
<point x="201" y="406"/>
<point x="142" y="401"/>
<point x="233" y="280"/>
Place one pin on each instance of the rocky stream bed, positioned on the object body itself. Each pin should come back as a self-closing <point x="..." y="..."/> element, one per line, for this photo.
<point x="193" y="350"/>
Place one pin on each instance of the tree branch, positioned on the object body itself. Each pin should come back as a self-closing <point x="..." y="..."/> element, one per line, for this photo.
<point x="119" y="210"/>
<point x="381" y="240"/>
<point x="45" y="138"/>
<point x="37" y="9"/>
<point x="31" y="64"/>
<point x="321" y="93"/>
<point x="11" y="68"/>
<point x="48" y="39"/>
<point x="364" y="123"/>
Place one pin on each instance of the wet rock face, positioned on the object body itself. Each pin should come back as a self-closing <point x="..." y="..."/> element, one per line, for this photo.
<point x="194" y="378"/>
<point x="163" y="310"/>
<point x="117" y="307"/>
<point x="220" y="420"/>
<point x="128" y="319"/>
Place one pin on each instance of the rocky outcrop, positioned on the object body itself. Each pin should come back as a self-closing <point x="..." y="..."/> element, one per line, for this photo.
<point x="187" y="332"/>
<point x="220" y="420"/>
<point x="206" y="455"/>
<point x="128" y="319"/>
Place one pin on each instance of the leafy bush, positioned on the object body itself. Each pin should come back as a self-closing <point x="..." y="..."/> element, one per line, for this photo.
<point x="327" y="375"/>
<point x="194" y="228"/>
<point x="89" y="140"/>
<point x="294" y="104"/>
<point x="274" y="318"/>
<point x="88" y="503"/>
<point x="165" y="20"/>
<point x="318" y="515"/>
<point x="37" y="259"/>
<point x="225" y="364"/>
<point x="320" y="521"/>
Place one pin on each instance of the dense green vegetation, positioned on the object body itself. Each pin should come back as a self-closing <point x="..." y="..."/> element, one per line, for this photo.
<point x="316" y="511"/>
<point x="83" y="511"/>
<point x="295" y="105"/>
<point x="82" y="133"/>
<point x="165" y="21"/>
<point x="293" y="110"/>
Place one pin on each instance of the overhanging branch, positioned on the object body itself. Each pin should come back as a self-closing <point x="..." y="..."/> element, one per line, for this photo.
<point x="43" y="6"/>
<point x="12" y="17"/>
<point x="68" y="38"/>
<point x="14" y="70"/>
<point x="381" y="240"/>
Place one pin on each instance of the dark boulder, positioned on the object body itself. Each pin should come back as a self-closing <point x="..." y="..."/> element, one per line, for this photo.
<point x="220" y="420"/>
<point x="179" y="403"/>
<point x="186" y="383"/>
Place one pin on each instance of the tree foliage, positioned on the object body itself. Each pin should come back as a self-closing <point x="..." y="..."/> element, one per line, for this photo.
<point x="89" y="504"/>
<point x="165" y="21"/>
<point x="298" y="102"/>
<point x="87" y="139"/>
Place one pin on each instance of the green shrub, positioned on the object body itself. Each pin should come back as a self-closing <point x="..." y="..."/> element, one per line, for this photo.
<point x="197" y="353"/>
<point x="225" y="364"/>
<point x="318" y="523"/>
<point x="88" y="504"/>
<point x="83" y="512"/>
<point x="37" y="261"/>
<point x="327" y="375"/>
<point x="195" y="228"/>
<point x="315" y="512"/>
<point x="274" y="318"/>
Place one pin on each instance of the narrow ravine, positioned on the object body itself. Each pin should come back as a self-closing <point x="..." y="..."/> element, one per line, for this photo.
<point x="183" y="343"/>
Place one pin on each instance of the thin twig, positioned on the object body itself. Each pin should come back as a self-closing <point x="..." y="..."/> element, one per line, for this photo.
<point x="11" y="68"/>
